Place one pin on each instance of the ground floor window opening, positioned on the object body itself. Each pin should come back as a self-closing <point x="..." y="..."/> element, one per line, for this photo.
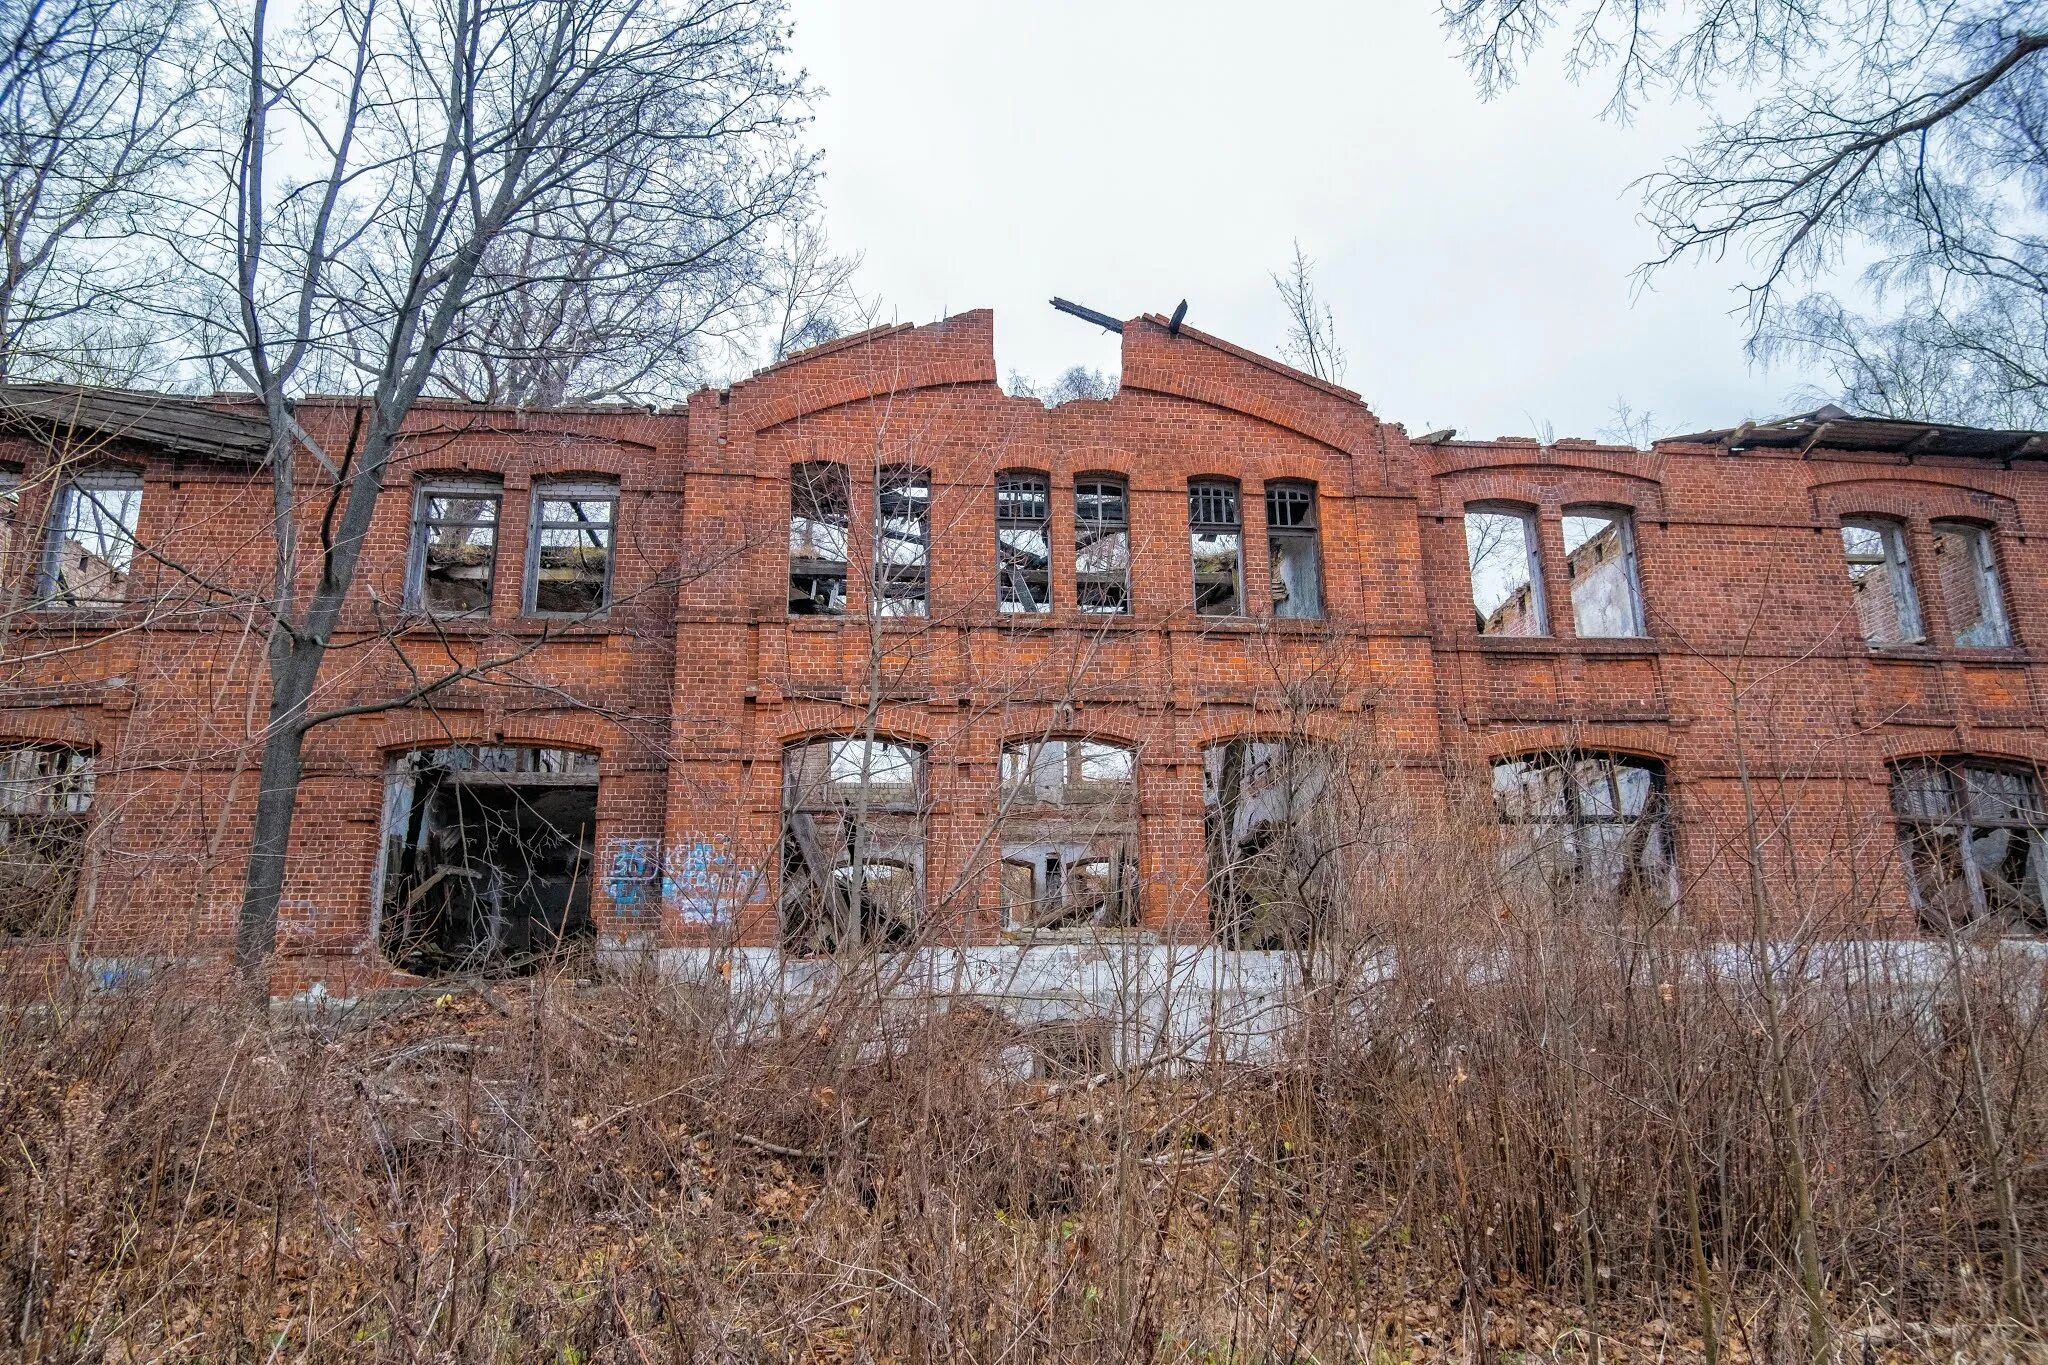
<point x="45" y="807"/>
<point x="1274" y="833"/>
<point x="487" y="858"/>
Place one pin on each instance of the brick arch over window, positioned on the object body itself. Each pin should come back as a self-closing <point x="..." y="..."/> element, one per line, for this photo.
<point x="403" y="730"/>
<point x="1913" y="499"/>
<point x="1547" y="487"/>
<point x="805" y="721"/>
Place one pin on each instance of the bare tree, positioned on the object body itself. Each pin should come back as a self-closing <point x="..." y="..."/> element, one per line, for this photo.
<point x="1311" y="343"/>
<point x="1912" y="132"/>
<point x="808" y="295"/>
<point x="97" y="98"/>
<point x="1076" y="381"/>
<point x="1630" y="424"/>
<point x="454" y="156"/>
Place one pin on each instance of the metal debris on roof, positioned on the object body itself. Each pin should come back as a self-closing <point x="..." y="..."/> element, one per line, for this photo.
<point x="174" y="423"/>
<point x="1831" y="428"/>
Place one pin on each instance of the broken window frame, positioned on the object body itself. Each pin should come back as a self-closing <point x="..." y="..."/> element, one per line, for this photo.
<point x="113" y="498"/>
<point x="836" y="802"/>
<point x="1536" y="609"/>
<point x="1624" y="521"/>
<point x="1293" y="527"/>
<point x="1945" y="808"/>
<point x="1989" y="628"/>
<point x="820" y="509"/>
<point x="421" y="890"/>
<point x="46" y="802"/>
<point x="1583" y="817"/>
<point x="1023" y="543"/>
<point x="1068" y="806"/>
<point x="578" y="494"/>
<point x="1274" y="883"/>
<point x="1216" y="514"/>
<point x="424" y="524"/>
<point x="1102" y="545"/>
<point x="1892" y="557"/>
<point x="903" y="540"/>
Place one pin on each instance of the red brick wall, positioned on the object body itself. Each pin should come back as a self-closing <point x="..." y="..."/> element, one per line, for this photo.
<point x="691" y="687"/>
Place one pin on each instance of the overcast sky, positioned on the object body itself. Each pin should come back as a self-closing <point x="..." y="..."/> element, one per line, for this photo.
<point x="1128" y="155"/>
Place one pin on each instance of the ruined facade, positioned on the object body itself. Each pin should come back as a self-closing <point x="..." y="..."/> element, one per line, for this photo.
<point x="863" y="652"/>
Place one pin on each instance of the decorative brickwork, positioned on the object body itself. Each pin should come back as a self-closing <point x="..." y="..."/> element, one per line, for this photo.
<point x="696" y="677"/>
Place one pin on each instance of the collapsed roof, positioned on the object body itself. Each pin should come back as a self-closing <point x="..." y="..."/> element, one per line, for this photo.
<point x="174" y="423"/>
<point x="1831" y="428"/>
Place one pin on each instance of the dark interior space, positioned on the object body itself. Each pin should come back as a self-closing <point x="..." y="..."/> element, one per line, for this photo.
<point x="488" y="858"/>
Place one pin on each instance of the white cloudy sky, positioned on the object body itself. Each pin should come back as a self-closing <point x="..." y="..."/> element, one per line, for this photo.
<point x="1127" y="155"/>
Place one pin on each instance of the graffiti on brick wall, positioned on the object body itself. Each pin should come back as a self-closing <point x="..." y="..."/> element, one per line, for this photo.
<point x="703" y="883"/>
<point x="631" y="868"/>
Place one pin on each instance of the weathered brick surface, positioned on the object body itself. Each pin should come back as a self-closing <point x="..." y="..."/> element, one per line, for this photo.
<point x="698" y="677"/>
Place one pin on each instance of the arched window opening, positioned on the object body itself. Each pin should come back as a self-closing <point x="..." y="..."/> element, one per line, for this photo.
<point x="1591" y="826"/>
<point x="1294" y="548"/>
<point x="903" y="541"/>
<point x="1216" y="540"/>
<point x="1600" y="561"/>
<point x="1102" y="546"/>
<point x="819" y="511"/>
<point x="852" y="845"/>
<point x="1023" y="544"/>
<point x="1966" y="574"/>
<point x="487" y="856"/>
<point x="1506" y="568"/>
<point x="46" y="795"/>
<point x="1971" y="836"/>
<point x="1881" y="583"/>
<point x="1274" y="835"/>
<point x="1069" y="835"/>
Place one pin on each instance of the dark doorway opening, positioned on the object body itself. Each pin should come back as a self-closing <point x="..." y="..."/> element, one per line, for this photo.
<point x="487" y="858"/>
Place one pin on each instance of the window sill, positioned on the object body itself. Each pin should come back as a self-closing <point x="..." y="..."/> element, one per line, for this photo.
<point x="1606" y="646"/>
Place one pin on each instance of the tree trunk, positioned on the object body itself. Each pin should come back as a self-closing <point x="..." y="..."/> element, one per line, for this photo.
<point x="295" y="667"/>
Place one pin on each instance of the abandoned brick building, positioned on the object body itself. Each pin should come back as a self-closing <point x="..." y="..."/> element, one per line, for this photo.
<point x="864" y="651"/>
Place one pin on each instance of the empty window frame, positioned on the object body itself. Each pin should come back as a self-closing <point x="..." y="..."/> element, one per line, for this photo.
<point x="1592" y="826"/>
<point x="819" y="515"/>
<point x="92" y="544"/>
<point x="1023" y="544"/>
<point x="1274" y="832"/>
<point x="1971" y="836"/>
<point x="1966" y="575"/>
<point x="1102" y="546"/>
<point x="1600" y="561"/>
<point x="569" y="553"/>
<point x="1216" y="536"/>
<point x="46" y="795"/>
<point x="852" y="844"/>
<point x="1069" y="835"/>
<point x="903" y="530"/>
<point x="1881" y="583"/>
<point x="1294" y="549"/>
<point x="1506" y="569"/>
<point x="454" y="548"/>
<point x="486" y="858"/>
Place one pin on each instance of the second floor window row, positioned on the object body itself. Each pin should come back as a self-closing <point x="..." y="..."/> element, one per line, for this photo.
<point x="1887" y="600"/>
<point x="570" y="545"/>
<point x="821" y="519"/>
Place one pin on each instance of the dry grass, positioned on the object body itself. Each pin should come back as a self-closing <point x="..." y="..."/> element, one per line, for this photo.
<point x="1562" y="1142"/>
